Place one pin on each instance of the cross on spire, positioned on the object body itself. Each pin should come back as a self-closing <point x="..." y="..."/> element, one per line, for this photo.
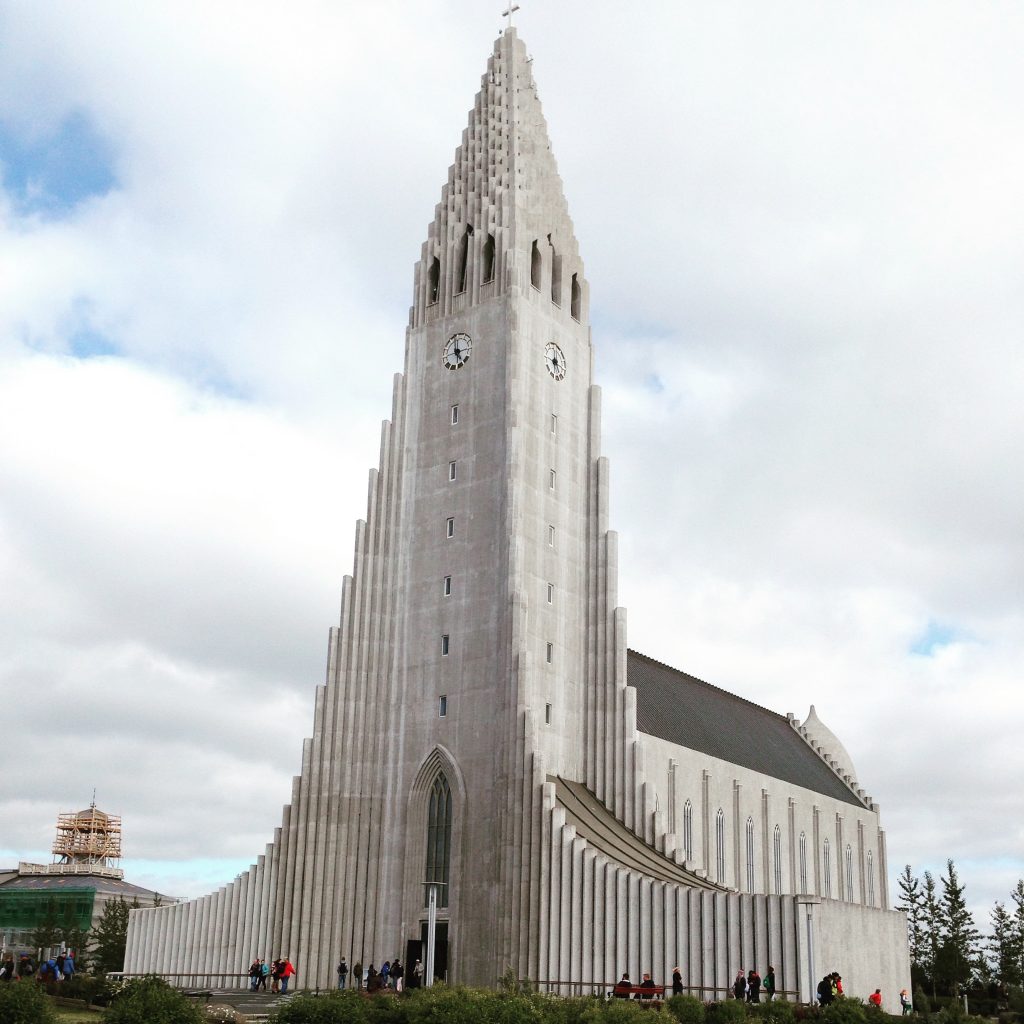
<point x="512" y="8"/>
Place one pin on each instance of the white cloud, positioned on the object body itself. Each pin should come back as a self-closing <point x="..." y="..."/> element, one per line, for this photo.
<point x="803" y="237"/>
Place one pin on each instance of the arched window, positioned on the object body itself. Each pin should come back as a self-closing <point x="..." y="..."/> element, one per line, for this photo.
<point x="439" y="837"/>
<point x="849" y="872"/>
<point x="777" y="854"/>
<point x="827" y="857"/>
<point x="720" y="845"/>
<point x="688" y="830"/>
<point x="750" y="854"/>
<point x="556" y="274"/>
<point x="871" y="879"/>
<point x="535" y="265"/>
<point x="433" y="281"/>
<point x="464" y="258"/>
<point x="803" y="862"/>
<point x="488" y="260"/>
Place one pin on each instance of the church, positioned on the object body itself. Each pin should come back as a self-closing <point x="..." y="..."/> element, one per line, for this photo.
<point x="485" y="739"/>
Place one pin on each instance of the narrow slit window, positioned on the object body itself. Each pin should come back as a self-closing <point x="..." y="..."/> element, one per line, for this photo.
<point x="803" y="862"/>
<point x="433" y="281"/>
<point x="442" y="706"/>
<point x="777" y="858"/>
<point x="556" y="274"/>
<point x="688" y="830"/>
<point x="451" y="470"/>
<point x="455" y="415"/>
<point x="551" y="593"/>
<point x="488" y="260"/>
<point x="547" y="714"/>
<point x="550" y="653"/>
<point x="577" y="293"/>
<point x="554" y="424"/>
<point x="450" y="527"/>
<point x="535" y="265"/>
<point x="444" y="646"/>
<point x="464" y="257"/>
<point x="447" y="586"/>
<point x="750" y="854"/>
<point x="720" y="845"/>
<point x="551" y="480"/>
<point x="551" y="536"/>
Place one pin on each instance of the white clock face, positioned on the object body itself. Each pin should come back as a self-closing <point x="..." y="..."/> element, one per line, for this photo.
<point x="456" y="351"/>
<point x="555" y="360"/>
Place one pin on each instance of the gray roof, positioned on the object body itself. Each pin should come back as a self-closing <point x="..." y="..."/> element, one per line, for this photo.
<point x="683" y="709"/>
<point x="102" y="885"/>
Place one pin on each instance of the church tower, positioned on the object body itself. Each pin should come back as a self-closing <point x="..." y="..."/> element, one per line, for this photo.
<point x="478" y="726"/>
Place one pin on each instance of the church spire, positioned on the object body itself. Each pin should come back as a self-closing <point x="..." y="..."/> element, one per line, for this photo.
<point x="502" y="221"/>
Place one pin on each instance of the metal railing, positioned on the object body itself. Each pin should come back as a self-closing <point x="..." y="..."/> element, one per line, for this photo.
<point x="706" y="993"/>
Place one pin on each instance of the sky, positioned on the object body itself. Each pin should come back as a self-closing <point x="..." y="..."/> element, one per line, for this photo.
<point x="803" y="228"/>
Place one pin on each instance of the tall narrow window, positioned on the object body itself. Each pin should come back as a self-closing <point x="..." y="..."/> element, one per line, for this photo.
<point x="720" y="846"/>
<point x="849" y="872"/>
<point x="464" y="257"/>
<point x="433" y="281"/>
<point x="688" y="830"/>
<point x="777" y="855"/>
<point x="803" y="862"/>
<point x="671" y="795"/>
<point x="551" y="479"/>
<point x="551" y="593"/>
<point x="554" y="424"/>
<point x="444" y="646"/>
<point x="488" y="260"/>
<point x="439" y="837"/>
<point x="750" y="854"/>
<point x="535" y="265"/>
<point x="455" y="415"/>
<point x="442" y="706"/>
<point x="576" y="299"/>
<point x="449" y="528"/>
<point x="556" y="274"/>
<point x="451" y="470"/>
<point x="551" y="536"/>
<point x="550" y="653"/>
<point x="447" y="586"/>
<point x="871" y="879"/>
<point x="827" y="857"/>
<point x="547" y="714"/>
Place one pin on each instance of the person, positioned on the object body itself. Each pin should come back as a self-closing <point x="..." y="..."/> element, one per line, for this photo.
<point x="753" y="986"/>
<point x="342" y="973"/>
<point x="275" y="975"/>
<point x="69" y="965"/>
<point x="647" y="983"/>
<point x="769" y="984"/>
<point x="677" y="982"/>
<point x="875" y="999"/>
<point x="254" y="974"/>
<point x="623" y="987"/>
<point x="837" y="984"/>
<point x="60" y="966"/>
<point x="372" y="978"/>
<point x="739" y="986"/>
<point x="264" y="974"/>
<point x="905" y="1002"/>
<point x="397" y="973"/>
<point x="7" y="969"/>
<point x="825" y="990"/>
<point x="385" y="974"/>
<point x="417" y="975"/>
<point x="286" y="972"/>
<point x="358" y="972"/>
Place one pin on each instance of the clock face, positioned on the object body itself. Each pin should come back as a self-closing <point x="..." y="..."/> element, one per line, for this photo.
<point x="555" y="360"/>
<point x="456" y="351"/>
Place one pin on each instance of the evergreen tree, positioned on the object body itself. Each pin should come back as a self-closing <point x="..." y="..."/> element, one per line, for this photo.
<point x="111" y="935"/>
<point x="911" y="903"/>
<point x="957" y="956"/>
<point x="1003" y="955"/>
<point x="931" y="922"/>
<point x="1017" y="932"/>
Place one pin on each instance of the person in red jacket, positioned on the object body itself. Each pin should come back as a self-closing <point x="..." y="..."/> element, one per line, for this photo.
<point x="875" y="999"/>
<point x="286" y="972"/>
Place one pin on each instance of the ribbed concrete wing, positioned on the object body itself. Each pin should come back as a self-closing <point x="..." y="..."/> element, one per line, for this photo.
<point x="606" y="834"/>
<point x="683" y="709"/>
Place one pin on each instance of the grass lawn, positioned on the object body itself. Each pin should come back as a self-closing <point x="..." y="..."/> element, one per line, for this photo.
<point x="66" y="1016"/>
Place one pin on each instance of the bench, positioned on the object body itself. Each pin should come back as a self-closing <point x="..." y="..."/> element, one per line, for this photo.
<point x="651" y="995"/>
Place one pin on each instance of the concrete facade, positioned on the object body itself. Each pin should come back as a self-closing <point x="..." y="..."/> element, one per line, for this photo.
<point x="480" y="648"/>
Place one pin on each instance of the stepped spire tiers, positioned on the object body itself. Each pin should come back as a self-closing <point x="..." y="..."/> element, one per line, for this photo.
<point x="478" y="728"/>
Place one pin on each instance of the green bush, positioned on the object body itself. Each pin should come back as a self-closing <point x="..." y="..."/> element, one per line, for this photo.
<point x="25" y="1002"/>
<point x="729" y="1011"/>
<point x="778" y="1011"/>
<point x="686" y="1009"/>
<point x="330" y="1008"/>
<point x="83" y="986"/>
<point x="617" y="1011"/>
<point x="151" y="1001"/>
<point x="921" y="1003"/>
<point x="844" y="1010"/>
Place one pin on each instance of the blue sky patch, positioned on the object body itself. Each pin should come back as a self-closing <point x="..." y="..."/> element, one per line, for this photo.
<point x="86" y="344"/>
<point x="936" y="636"/>
<point x="53" y="173"/>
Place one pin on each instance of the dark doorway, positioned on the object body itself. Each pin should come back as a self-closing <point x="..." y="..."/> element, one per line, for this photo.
<point x="414" y="950"/>
<point x="441" y="965"/>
